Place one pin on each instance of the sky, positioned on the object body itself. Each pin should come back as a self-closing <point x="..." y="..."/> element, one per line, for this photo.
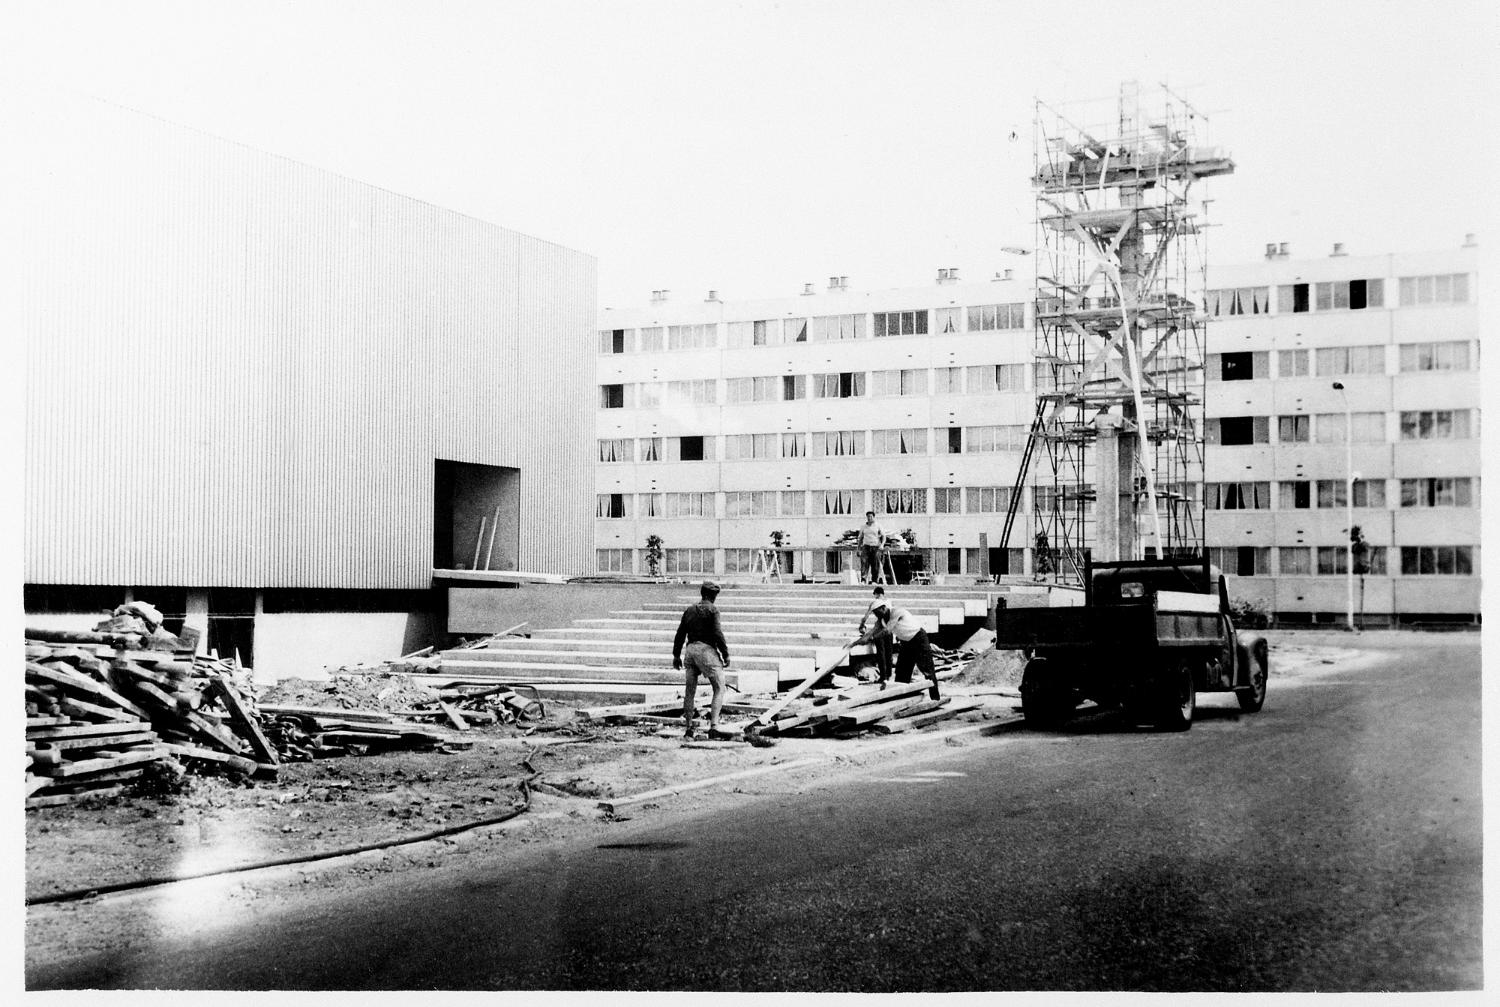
<point x="753" y="147"/>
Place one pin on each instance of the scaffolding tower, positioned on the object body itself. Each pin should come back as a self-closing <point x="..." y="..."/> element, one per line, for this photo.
<point x="1119" y="339"/>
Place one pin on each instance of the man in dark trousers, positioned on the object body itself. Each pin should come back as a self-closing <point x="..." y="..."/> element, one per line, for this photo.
<point x="904" y="628"/>
<point x="705" y="653"/>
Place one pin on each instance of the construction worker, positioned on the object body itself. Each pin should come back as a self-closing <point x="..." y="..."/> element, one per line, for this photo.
<point x="871" y="548"/>
<point x="705" y="653"/>
<point x="903" y="627"/>
<point x="883" y="643"/>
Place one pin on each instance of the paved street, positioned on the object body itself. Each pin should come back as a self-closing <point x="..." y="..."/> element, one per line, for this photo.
<point x="1331" y="842"/>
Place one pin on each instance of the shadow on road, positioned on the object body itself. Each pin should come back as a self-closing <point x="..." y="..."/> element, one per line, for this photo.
<point x="1096" y="720"/>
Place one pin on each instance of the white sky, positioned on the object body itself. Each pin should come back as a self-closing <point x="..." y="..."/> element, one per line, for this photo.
<point x="752" y="147"/>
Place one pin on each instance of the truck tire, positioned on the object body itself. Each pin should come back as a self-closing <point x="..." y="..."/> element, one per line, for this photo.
<point x="1179" y="698"/>
<point x="1254" y="697"/>
<point x="1046" y="699"/>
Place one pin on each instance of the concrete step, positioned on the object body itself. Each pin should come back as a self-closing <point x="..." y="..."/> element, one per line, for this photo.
<point x="656" y="657"/>
<point x="646" y="620"/>
<point x="971" y="606"/>
<point x="947" y="614"/>
<point x="572" y="640"/>
<point x="746" y="681"/>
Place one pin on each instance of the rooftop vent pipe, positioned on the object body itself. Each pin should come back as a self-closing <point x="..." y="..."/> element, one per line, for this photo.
<point x="1270" y="250"/>
<point x="1338" y="249"/>
<point x="807" y="289"/>
<point x="713" y="295"/>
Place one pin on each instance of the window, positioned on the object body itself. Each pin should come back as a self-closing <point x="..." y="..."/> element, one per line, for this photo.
<point x="793" y="503"/>
<point x="1367" y="493"/>
<point x="947" y="500"/>
<point x="903" y="501"/>
<point x="991" y="378"/>
<point x="906" y="441"/>
<point x="953" y="443"/>
<point x="1245" y="366"/>
<point x="739" y="560"/>
<point x="946" y="560"/>
<point x="911" y="381"/>
<point x="1237" y="496"/>
<point x="1435" y="425"/>
<point x="651" y="449"/>
<point x="983" y="440"/>
<point x="743" y="447"/>
<point x="612" y="341"/>
<point x="695" y="448"/>
<point x="947" y="381"/>
<point x="613" y="505"/>
<point x="766" y="389"/>
<point x="649" y="505"/>
<point x="1450" y="356"/>
<point x="1437" y="493"/>
<point x="832" y="327"/>
<point x="793" y="387"/>
<point x="901" y="323"/>
<point x="1333" y="560"/>
<point x="989" y="499"/>
<point x="1292" y="298"/>
<point x="794" y="330"/>
<point x="1447" y="288"/>
<point x="989" y="317"/>
<point x="1292" y="363"/>
<point x="838" y="501"/>
<point x="689" y="505"/>
<point x="614" y="560"/>
<point x="1056" y="377"/>
<point x="619" y="449"/>
<point x="1336" y="360"/>
<point x="947" y="320"/>
<point x="1295" y="561"/>
<point x="689" y="560"/>
<point x="701" y="392"/>
<point x="1350" y="294"/>
<point x="651" y="339"/>
<point x="691" y="337"/>
<point x="611" y="396"/>
<point x="1369" y="428"/>
<point x="1242" y="561"/>
<point x="766" y="332"/>
<point x="1296" y="495"/>
<point x="843" y="385"/>
<point x="1293" y="429"/>
<point x="834" y="443"/>
<point x="1236" y="430"/>
<point x="751" y="503"/>
<point x="1442" y="560"/>
<point x="794" y="445"/>
<point x="1239" y="301"/>
<point x="648" y="395"/>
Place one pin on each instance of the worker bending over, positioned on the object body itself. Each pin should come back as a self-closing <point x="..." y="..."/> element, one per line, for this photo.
<point x="903" y="627"/>
<point x="882" y="643"/>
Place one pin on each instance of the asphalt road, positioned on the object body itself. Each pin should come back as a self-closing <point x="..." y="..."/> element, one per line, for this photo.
<point x="1331" y="842"/>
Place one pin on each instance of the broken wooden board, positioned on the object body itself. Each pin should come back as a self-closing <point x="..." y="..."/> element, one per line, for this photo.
<point x="452" y="716"/>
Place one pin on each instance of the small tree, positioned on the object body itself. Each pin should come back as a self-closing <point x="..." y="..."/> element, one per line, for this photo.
<point x="1042" y="555"/>
<point x="653" y="554"/>
<point x="780" y="540"/>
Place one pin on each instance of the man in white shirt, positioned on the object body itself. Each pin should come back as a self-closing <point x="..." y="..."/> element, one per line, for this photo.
<point x="883" y="643"/>
<point x="871" y="543"/>
<point x="904" y="628"/>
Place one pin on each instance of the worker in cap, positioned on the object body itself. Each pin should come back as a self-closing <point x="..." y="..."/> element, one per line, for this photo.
<point x="699" y="649"/>
<point x="916" y="651"/>
<point x="882" y="643"/>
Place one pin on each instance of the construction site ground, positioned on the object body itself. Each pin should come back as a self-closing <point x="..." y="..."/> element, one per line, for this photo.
<point x="319" y="809"/>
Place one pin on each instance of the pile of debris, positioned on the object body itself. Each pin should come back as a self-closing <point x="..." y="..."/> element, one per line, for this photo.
<point x="103" y="706"/>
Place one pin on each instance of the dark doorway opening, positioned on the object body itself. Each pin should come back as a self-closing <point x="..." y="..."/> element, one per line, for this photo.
<point x="476" y="516"/>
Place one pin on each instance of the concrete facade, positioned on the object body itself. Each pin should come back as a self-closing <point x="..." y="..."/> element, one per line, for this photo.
<point x="915" y="403"/>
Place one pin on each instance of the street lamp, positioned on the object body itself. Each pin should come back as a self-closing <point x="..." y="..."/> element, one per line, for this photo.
<point x="1338" y="386"/>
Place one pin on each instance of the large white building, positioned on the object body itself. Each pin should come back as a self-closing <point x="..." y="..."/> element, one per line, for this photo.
<point x="721" y="422"/>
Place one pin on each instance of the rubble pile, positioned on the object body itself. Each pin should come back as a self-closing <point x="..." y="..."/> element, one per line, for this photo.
<point x="103" y="706"/>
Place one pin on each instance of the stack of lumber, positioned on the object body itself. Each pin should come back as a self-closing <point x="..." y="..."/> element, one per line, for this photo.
<point x="301" y="733"/>
<point x="896" y="708"/>
<point x="97" y="715"/>
<point x="461" y="706"/>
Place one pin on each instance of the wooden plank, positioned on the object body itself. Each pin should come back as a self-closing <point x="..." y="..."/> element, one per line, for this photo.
<point x="278" y="709"/>
<point x="896" y="726"/>
<point x="89" y="711"/>
<point x="239" y="762"/>
<point x="86" y="766"/>
<point x="833" y="711"/>
<point x="453" y="717"/>
<point x="805" y="684"/>
<point x="139" y="673"/>
<point x="872" y="712"/>
<point x="54" y="800"/>
<point x="244" y="719"/>
<point x="35" y="783"/>
<point x="32" y="722"/>
<point x="83" y="636"/>
<point x="85" y="730"/>
<point x="630" y="710"/>
<point x="97" y="741"/>
<point x="226" y="739"/>
<point x="82" y="683"/>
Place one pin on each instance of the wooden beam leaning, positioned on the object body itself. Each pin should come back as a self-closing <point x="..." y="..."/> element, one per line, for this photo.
<point x="264" y="750"/>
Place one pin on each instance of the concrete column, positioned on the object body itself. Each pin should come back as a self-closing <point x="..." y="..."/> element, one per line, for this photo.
<point x="1116" y="531"/>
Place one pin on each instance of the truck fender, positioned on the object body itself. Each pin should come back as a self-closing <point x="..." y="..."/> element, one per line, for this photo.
<point x="1250" y="648"/>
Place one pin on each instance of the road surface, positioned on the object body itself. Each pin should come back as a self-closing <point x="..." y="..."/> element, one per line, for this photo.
<point x="1331" y="842"/>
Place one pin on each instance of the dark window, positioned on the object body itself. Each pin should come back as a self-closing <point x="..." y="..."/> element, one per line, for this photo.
<point x="955" y="440"/>
<point x="1237" y="430"/>
<point x="692" y="449"/>
<point x="1301" y="494"/>
<point x="1237" y="366"/>
<point x="612" y="396"/>
<point x="1357" y="294"/>
<point x="1245" y="561"/>
<point x="1299" y="296"/>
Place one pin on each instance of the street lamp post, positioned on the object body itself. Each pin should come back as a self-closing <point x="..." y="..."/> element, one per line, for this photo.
<point x="1338" y="386"/>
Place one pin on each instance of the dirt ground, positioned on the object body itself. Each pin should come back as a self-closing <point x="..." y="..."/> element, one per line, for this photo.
<point x="335" y="805"/>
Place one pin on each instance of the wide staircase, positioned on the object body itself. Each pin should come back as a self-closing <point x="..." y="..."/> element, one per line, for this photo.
<point x="777" y="635"/>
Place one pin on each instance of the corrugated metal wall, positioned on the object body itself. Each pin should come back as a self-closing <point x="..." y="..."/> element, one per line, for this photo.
<point x="240" y="369"/>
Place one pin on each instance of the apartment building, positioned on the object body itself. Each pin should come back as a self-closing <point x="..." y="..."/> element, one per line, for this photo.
<point x="722" y="422"/>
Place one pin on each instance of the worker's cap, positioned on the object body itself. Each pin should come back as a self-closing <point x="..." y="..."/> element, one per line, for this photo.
<point x="881" y="606"/>
<point x="709" y="587"/>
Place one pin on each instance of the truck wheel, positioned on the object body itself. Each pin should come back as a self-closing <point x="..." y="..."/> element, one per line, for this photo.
<point x="1254" y="697"/>
<point x="1046" y="700"/>
<point x="1179" y="698"/>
